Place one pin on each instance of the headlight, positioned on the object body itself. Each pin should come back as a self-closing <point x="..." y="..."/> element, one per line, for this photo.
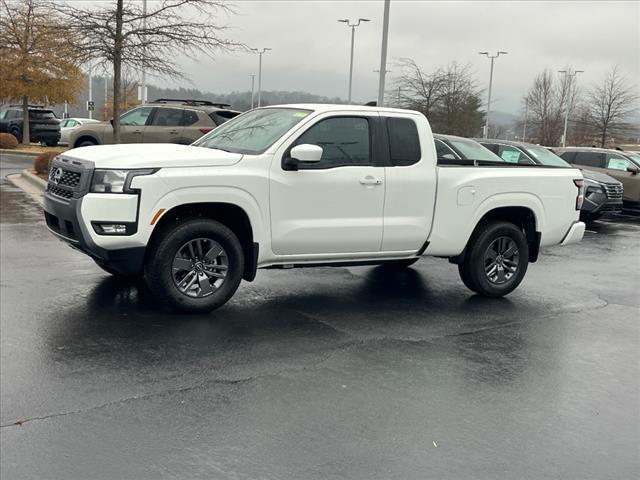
<point x="116" y="181"/>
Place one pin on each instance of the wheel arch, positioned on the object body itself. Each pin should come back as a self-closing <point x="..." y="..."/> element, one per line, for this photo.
<point x="231" y="215"/>
<point x="523" y="217"/>
<point x="85" y="136"/>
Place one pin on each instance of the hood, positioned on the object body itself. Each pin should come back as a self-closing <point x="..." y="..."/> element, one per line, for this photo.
<point x="152" y="155"/>
<point x="598" y="177"/>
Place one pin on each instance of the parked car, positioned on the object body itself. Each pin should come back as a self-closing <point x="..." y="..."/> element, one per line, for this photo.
<point x="44" y="127"/>
<point x="451" y="149"/>
<point x="603" y="194"/>
<point x="300" y="186"/>
<point x="68" y="125"/>
<point x="620" y="165"/>
<point x="162" y="121"/>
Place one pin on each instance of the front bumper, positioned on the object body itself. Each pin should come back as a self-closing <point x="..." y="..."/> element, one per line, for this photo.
<point x="70" y="213"/>
<point x="575" y="234"/>
<point x="599" y="203"/>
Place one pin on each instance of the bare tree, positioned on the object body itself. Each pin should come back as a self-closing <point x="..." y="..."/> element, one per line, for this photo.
<point x="120" y="33"/>
<point x="448" y="97"/>
<point x="547" y="100"/>
<point x="610" y="105"/>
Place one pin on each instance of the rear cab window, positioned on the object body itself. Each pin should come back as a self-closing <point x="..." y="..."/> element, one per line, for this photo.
<point x="404" y="142"/>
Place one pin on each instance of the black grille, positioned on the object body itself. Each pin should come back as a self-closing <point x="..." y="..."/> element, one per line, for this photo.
<point x="59" y="192"/>
<point x="614" y="190"/>
<point x="68" y="178"/>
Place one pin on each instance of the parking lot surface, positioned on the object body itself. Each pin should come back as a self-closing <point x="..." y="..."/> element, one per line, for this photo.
<point x="354" y="373"/>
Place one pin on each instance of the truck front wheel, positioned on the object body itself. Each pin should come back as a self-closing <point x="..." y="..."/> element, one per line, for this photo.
<point x="196" y="266"/>
<point x="496" y="259"/>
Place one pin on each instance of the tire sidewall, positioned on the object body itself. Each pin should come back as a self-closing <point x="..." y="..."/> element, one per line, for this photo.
<point x="476" y="271"/>
<point x="158" y="268"/>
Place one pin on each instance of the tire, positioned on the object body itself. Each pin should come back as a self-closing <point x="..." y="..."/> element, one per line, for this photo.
<point x="86" y="143"/>
<point x="182" y="271"/>
<point x="116" y="273"/>
<point x="484" y="269"/>
<point x="589" y="217"/>
<point x="16" y="132"/>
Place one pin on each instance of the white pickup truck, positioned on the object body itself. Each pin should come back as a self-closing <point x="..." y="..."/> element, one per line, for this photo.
<point x="300" y="186"/>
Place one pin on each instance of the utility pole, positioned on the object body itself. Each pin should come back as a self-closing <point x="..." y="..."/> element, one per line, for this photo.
<point x="568" y="78"/>
<point x="353" y="36"/>
<point x="253" y="81"/>
<point x="106" y="117"/>
<point x="143" y="96"/>
<point x="260" y="53"/>
<point x="383" y="53"/>
<point x="90" y="91"/>
<point x="492" y="57"/>
<point x="526" y="113"/>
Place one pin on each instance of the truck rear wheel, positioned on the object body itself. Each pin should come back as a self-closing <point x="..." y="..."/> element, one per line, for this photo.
<point x="496" y="259"/>
<point x="196" y="266"/>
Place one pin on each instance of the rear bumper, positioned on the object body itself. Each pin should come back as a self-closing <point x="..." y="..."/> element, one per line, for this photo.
<point x="575" y="234"/>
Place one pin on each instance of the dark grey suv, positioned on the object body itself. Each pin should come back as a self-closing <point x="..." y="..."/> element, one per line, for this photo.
<point x="603" y="194"/>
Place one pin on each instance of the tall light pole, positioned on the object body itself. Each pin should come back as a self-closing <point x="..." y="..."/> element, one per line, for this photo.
<point x="353" y="36"/>
<point x="253" y="83"/>
<point x="143" y="96"/>
<point x="383" y="52"/>
<point x="260" y="53"/>
<point x="90" y="91"/>
<point x="568" y="78"/>
<point x="492" y="57"/>
<point x="526" y="113"/>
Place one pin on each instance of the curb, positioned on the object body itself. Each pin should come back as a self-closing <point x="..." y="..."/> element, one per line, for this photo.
<point x="34" y="180"/>
<point x="18" y="152"/>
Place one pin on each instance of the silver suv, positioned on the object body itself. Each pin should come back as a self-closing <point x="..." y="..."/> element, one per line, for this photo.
<point x="165" y="120"/>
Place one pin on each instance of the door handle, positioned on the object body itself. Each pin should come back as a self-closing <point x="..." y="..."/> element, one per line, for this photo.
<point x="173" y="132"/>
<point x="369" y="180"/>
<point x="137" y="131"/>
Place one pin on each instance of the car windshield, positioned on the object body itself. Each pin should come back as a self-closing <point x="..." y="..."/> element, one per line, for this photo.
<point x="635" y="157"/>
<point x="473" y="150"/>
<point x="545" y="157"/>
<point x="253" y="132"/>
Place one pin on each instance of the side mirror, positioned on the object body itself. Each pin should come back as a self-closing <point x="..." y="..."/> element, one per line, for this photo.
<point x="633" y="169"/>
<point x="306" y="153"/>
<point x="302" y="153"/>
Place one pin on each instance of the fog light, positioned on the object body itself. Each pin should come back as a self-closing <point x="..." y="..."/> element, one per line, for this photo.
<point x="110" y="228"/>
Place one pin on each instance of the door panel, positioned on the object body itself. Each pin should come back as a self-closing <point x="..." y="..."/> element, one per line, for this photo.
<point x="165" y="126"/>
<point x="335" y="205"/>
<point x="132" y="124"/>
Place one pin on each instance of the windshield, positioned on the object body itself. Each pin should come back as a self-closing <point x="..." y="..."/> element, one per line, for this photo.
<point x="545" y="157"/>
<point x="635" y="157"/>
<point x="253" y="132"/>
<point x="474" y="151"/>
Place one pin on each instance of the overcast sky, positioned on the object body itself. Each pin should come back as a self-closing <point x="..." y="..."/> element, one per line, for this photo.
<point x="311" y="49"/>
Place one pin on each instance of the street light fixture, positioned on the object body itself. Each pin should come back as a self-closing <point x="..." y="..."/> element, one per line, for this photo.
<point x="568" y="77"/>
<point x="492" y="57"/>
<point x="353" y="34"/>
<point x="260" y="53"/>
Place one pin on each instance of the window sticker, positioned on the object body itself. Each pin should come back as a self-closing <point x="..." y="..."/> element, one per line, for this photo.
<point x="300" y="114"/>
<point x="510" y="156"/>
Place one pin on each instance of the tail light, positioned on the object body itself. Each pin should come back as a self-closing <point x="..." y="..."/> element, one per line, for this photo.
<point x="206" y="129"/>
<point x="580" y="198"/>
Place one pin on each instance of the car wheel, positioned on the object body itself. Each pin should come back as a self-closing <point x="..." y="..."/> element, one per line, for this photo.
<point x="496" y="260"/>
<point x="196" y="266"/>
<point x="16" y="132"/>
<point x="86" y="142"/>
<point x="589" y="217"/>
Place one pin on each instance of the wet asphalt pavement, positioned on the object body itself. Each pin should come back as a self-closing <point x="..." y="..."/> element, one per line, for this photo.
<point x="346" y="373"/>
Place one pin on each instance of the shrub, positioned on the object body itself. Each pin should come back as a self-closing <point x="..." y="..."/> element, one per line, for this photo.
<point x="8" y="141"/>
<point x="42" y="163"/>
